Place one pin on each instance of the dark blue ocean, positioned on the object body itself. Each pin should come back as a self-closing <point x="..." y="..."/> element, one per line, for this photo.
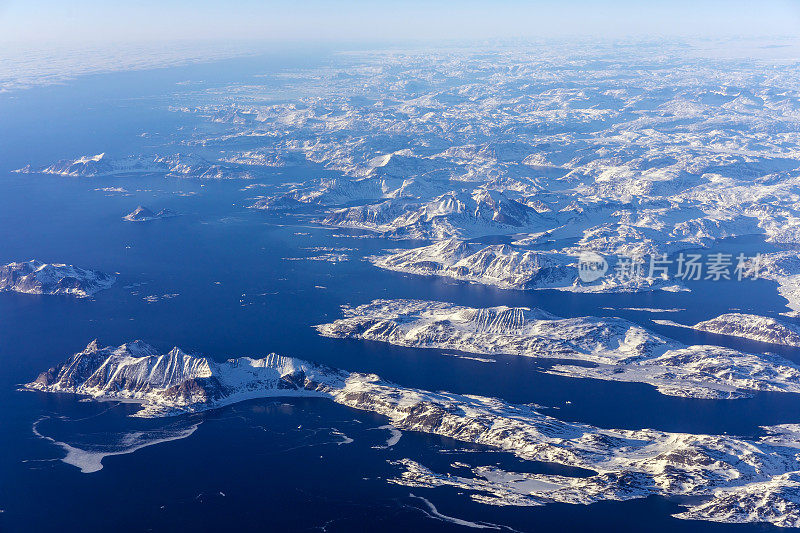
<point x="271" y="465"/>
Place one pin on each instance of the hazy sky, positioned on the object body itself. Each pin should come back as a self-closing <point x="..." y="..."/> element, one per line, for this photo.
<point x="360" y="20"/>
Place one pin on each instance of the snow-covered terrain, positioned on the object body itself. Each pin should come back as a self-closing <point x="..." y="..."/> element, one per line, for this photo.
<point x="176" y="165"/>
<point x="621" y="350"/>
<point x="95" y="165"/>
<point x="755" y="327"/>
<point x="675" y="154"/>
<point x="501" y="265"/>
<point x="511" y="165"/>
<point x="178" y="382"/>
<point x="624" y="152"/>
<point x="746" y="480"/>
<point x="481" y="213"/>
<point x="35" y="277"/>
<point x="510" y="267"/>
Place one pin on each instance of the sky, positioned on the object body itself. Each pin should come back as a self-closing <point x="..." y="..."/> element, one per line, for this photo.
<point x="41" y="21"/>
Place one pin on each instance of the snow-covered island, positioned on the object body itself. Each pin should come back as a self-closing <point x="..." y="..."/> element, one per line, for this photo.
<point x="508" y="267"/>
<point x="619" y="349"/>
<point x="36" y="277"/>
<point x="174" y="165"/>
<point x="744" y="480"/>
<point x="754" y="327"/>
<point x="89" y="166"/>
<point x="499" y="265"/>
<point x="143" y="214"/>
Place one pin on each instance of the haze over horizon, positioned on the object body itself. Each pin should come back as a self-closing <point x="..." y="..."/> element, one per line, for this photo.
<point x="360" y="21"/>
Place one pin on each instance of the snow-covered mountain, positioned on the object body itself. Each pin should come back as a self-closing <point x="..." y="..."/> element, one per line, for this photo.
<point x="453" y="214"/>
<point x="177" y="165"/>
<point x="621" y="350"/>
<point x="626" y="464"/>
<point x="199" y="167"/>
<point x="96" y="165"/>
<point x="755" y="327"/>
<point x="500" y="265"/>
<point x="677" y="154"/>
<point x="178" y="382"/>
<point x="35" y="277"/>
<point x="357" y="192"/>
<point x="511" y="267"/>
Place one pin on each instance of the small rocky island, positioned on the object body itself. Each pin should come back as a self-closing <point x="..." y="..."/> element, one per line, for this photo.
<point x="143" y="214"/>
